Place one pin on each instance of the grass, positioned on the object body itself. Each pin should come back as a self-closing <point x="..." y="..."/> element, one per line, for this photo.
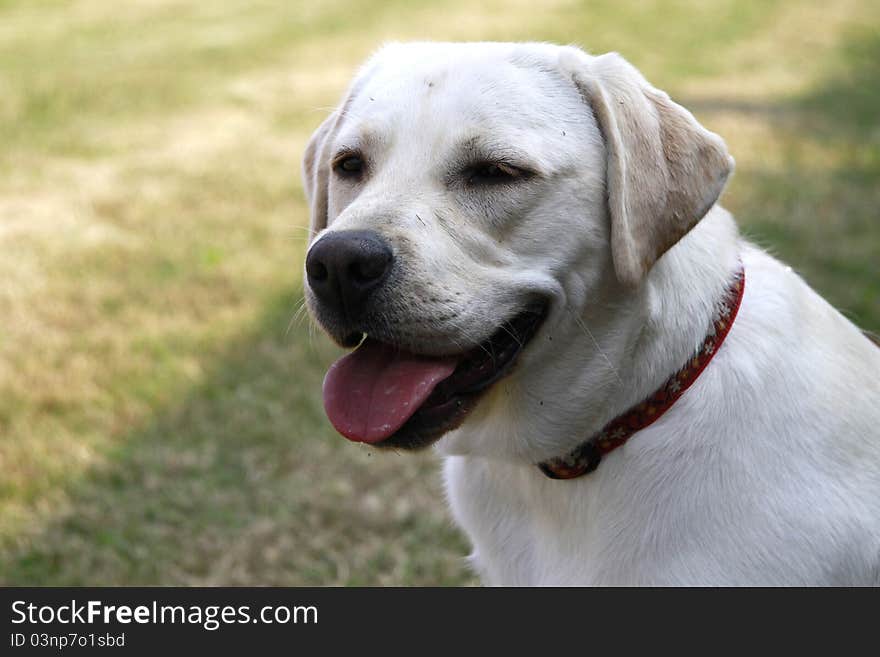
<point x="160" y="420"/>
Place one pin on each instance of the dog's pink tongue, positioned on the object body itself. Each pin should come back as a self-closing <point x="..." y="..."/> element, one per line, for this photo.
<point x="372" y="391"/>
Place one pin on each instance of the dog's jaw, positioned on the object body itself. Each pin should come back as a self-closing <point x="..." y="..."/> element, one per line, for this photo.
<point x="618" y="348"/>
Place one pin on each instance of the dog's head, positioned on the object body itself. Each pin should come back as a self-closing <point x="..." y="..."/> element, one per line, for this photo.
<point x="468" y="202"/>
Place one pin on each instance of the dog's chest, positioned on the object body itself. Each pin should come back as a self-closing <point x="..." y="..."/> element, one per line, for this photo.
<point x="526" y="529"/>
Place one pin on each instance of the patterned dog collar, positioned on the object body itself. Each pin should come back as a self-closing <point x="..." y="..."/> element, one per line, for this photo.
<point x="586" y="457"/>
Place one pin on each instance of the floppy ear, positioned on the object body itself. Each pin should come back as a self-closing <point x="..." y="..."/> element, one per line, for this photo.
<point x="316" y="172"/>
<point x="664" y="170"/>
<point x="316" y="159"/>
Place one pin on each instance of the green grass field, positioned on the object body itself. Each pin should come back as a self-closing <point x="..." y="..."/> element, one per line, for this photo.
<point x="160" y="415"/>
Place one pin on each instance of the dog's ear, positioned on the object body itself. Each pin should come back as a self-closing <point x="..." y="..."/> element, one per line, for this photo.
<point x="316" y="159"/>
<point x="664" y="171"/>
<point x="316" y="172"/>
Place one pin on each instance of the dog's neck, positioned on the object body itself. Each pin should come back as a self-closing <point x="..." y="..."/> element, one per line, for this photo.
<point x="587" y="456"/>
<point x="676" y="306"/>
<point x="620" y="350"/>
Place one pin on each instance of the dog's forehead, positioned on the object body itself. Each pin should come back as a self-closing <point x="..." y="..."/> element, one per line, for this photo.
<point x="456" y="87"/>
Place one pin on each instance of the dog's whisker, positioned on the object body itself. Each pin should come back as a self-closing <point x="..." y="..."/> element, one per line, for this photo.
<point x="299" y="313"/>
<point x="477" y="343"/>
<point x="512" y="335"/>
<point x="580" y="322"/>
<point x="312" y="331"/>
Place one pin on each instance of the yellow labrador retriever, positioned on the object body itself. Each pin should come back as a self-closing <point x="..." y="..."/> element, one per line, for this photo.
<point x="524" y="244"/>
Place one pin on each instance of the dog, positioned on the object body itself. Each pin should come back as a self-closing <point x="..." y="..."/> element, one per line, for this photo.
<point x="525" y="246"/>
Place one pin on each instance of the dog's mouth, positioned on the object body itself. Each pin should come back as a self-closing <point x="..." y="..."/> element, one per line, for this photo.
<point x="390" y="397"/>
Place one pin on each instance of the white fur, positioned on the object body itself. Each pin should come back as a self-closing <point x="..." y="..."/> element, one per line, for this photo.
<point x="765" y="472"/>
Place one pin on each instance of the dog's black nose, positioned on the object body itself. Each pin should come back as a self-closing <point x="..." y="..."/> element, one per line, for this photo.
<point x="344" y="267"/>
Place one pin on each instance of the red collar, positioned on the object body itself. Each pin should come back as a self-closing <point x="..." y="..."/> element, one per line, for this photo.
<point x="585" y="458"/>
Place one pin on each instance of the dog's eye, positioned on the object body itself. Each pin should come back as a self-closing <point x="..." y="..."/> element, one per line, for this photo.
<point x="349" y="165"/>
<point x="490" y="173"/>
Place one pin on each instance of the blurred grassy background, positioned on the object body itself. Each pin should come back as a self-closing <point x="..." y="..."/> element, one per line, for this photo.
<point x="160" y="415"/>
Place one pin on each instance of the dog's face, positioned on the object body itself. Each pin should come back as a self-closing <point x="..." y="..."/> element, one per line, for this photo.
<point x="468" y="202"/>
